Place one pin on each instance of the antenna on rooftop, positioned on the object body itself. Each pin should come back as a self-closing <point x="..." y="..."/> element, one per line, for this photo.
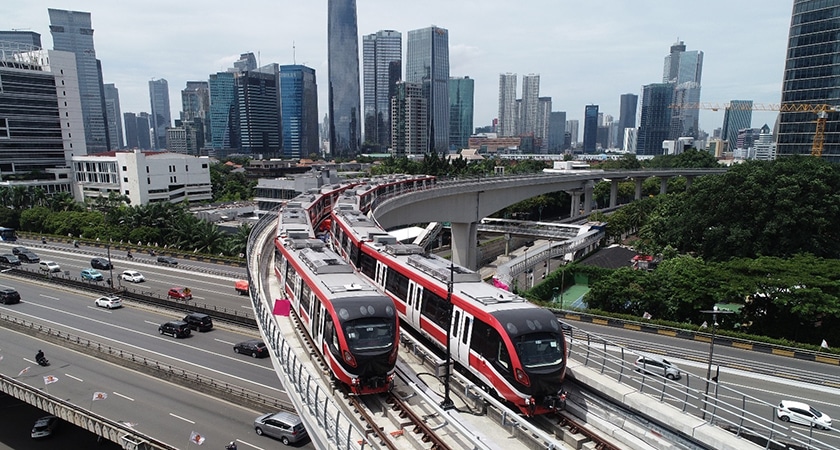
<point x="294" y="61"/>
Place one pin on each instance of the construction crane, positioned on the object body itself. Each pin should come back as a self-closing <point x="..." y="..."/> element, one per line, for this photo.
<point x="821" y="110"/>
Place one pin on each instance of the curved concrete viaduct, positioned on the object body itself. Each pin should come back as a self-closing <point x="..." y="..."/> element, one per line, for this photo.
<point x="465" y="203"/>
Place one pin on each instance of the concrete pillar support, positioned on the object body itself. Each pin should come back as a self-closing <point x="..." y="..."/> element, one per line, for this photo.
<point x="575" y="203"/>
<point x="613" y="193"/>
<point x="639" y="182"/>
<point x="587" y="197"/>
<point x="464" y="242"/>
<point x="663" y="185"/>
<point x="688" y="180"/>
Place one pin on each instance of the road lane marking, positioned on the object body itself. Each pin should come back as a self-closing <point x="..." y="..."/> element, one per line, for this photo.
<point x="248" y="444"/>
<point x="49" y="297"/>
<point x="150" y="322"/>
<point x="154" y="335"/>
<point x="75" y="378"/>
<point x="179" y="417"/>
<point x="123" y="396"/>
<point x="105" y="310"/>
<point x="223" y="342"/>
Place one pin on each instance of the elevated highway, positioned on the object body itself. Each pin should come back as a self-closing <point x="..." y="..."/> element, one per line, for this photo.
<point x="465" y="203"/>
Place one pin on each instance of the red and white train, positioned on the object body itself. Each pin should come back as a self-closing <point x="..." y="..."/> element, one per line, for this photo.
<point x="353" y="325"/>
<point x="504" y="342"/>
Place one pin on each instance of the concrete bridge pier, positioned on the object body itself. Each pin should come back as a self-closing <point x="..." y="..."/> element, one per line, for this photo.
<point x="639" y="182"/>
<point x="588" y="191"/>
<point x="575" y="203"/>
<point x="464" y="244"/>
<point x="613" y="193"/>
<point x="663" y="185"/>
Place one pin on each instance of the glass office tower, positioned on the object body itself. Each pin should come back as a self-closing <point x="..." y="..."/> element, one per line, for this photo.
<point x="655" y="121"/>
<point x="461" y="100"/>
<point x="590" y="128"/>
<point x="161" y="112"/>
<point x="71" y="32"/>
<point x="343" y="78"/>
<point x="299" y="111"/>
<point x="427" y="62"/>
<point x="812" y="76"/>
<point x="222" y="93"/>
<point x="382" y="61"/>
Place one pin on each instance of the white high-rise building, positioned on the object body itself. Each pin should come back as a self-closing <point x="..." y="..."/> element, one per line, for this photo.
<point x="572" y="127"/>
<point x="530" y="100"/>
<point x="507" y="104"/>
<point x="630" y="139"/>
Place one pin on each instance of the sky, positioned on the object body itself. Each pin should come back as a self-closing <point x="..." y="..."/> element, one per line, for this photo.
<point x="586" y="52"/>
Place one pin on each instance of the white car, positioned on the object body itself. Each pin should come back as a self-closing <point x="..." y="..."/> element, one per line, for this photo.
<point x="133" y="276"/>
<point x="109" y="302"/>
<point x="49" y="266"/>
<point x="801" y="413"/>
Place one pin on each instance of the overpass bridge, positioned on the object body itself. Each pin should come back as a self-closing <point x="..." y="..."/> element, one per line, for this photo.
<point x="464" y="203"/>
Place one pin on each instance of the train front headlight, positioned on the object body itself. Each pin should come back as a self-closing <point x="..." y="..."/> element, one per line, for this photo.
<point x="522" y="377"/>
<point x="349" y="359"/>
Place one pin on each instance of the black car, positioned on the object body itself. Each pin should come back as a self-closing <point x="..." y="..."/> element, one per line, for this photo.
<point x="254" y="347"/>
<point x="28" y="257"/>
<point x="19" y="250"/>
<point x="176" y="328"/>
<point x="167" y="260"/>
<point x="101" y="263"/>
<point x="11" y="260"/>
<point x="199" y="322"/>
<point x="9" y="296"/>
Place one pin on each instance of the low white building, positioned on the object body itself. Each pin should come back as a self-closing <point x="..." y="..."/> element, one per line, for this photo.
<point x="143" y="176"/>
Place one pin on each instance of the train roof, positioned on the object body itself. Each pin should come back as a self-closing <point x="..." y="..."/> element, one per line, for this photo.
<point x="467" y="284"/>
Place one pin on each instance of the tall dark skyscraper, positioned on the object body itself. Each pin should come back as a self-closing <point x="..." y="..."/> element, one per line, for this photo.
<point x="655" y="119"/>
<point x="737" y="117"/>
<point x="222" y="93"/>
<point x="427" y="62"/>
<point x="161" y="111"/>
<point x="812" y="74"/>
<point x="382" y="62"/>
<point x="556" y="131"/>
<point x="114" y="116"/>
<point x="255" y="120"/>
<point x="72" y="32"/>
<point x="590" y="128"/>
<point x="461" y="106"/>
<point x="627" y="115"/>
<point x="137" y="131"/>
<point x="343" y="78"/>
<point x="299" y="104"/>
<point x="195" y="110"/>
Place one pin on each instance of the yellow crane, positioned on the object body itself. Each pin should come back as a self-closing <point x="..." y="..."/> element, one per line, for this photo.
<point x="821" y="110"/>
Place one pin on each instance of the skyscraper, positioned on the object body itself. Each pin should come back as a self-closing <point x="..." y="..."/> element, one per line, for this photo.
<point x="382" y="62"/>
<point x="195" y="110"/>
<point x="655" y="120"/>
<point x="113" y="115"/>
<point x="427" y="62"/>
<point x="246" y="62"/>
<point x="573" y="128"/>
<point x="256" y="127"/>
<point x="812" y="74"/>
<point x="409" y="135"/>
<point x="137" y="131"/>
<point x="627" y="115"/>
<point x="343" y="78"/>
<point x="683" y="69"/>
<point x="556" y="131"/>
<point x="507" y="104"/>
<point x="543" y="117"/>
<point x="461" y="101"/>
<point x="21" y="37"/>
<point x="299" y="111"/>
<point x="528" y="110"/>
<point x="71" y="32"/>
<point x="222" y="94"/>
<point x="161" y="113"/>
<point x="590" y="128"/>
<point x="737" y="117"/>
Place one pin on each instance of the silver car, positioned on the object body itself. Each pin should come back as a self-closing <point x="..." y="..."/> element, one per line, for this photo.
<point x="282" y="425"/>
<point x="801" y="413"/>
<point x="658" y="366"/>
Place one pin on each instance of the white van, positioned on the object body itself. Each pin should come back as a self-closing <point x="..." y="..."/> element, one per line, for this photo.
<point x="49" y="266"/>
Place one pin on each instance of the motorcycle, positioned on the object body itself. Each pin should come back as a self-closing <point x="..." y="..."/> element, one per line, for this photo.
<point x="231" y="446"/>
<point x="42" y="361"/>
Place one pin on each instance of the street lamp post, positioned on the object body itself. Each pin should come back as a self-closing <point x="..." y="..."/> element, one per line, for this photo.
<point x="714" y="312"/>
<point x="447" y="403"/>
<point x="110" y="268"/>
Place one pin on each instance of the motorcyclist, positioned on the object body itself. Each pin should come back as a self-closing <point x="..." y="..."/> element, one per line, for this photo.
<point x="129" y="255"/>
<point x="231" y="446"/>
<point x="39" y="356"/>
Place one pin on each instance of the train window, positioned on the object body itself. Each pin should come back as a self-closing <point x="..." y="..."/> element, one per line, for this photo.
<point x="397" y="284"/>
<point x="305" y="299"/>
<point x="539" y="350"/>
<point x="278" y="261"/>
<point x="503" y="358"/>
<point x="464" y="335"/>
<point x="367" y="265"/>
<point x="291" y="279"/>
<point x="487" y="342"/>
<point x="370" y="334"/>
<point x="457" y="321"/>
<point x="435" y="308"/>
<point x="354" y="254"/>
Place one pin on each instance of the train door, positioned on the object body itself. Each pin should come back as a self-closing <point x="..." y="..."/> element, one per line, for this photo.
<point x="413" y="301"/>
<point x="460" y="336"/>
<point x="317" y="315"/>
<point x="381" y="273"/>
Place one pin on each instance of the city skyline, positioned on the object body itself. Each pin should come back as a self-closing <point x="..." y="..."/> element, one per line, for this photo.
<point x="587" y="54"/>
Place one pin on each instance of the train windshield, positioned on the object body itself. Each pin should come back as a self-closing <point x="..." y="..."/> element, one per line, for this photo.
<point x="370" y="334"/>
<point x="539" y="350"/>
